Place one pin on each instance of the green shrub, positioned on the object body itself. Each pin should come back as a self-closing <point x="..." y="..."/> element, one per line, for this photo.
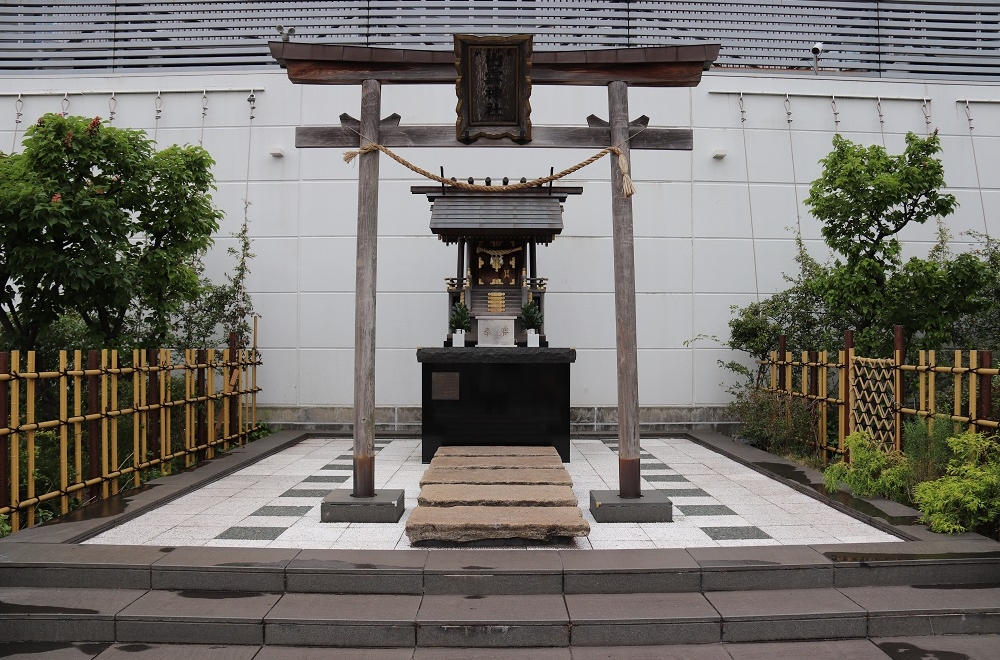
<point x="774" y="422"/>
<point x="872" y="470"/>
<point x="926" y="447"/>
<point x="968" y="496"/>
<point x="4" y="525"/>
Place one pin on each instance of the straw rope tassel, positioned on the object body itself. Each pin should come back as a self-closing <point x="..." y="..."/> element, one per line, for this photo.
<point x="627" y="188"/>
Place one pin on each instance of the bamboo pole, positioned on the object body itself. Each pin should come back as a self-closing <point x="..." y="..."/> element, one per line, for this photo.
<point x="5" y="443"/>
<point x="364" y="294"/>
<point x="29" y="437"/>
<point x="189" y="417"/>
<point x="166" y="444"/>
<point x="63" y="433"/>
<point x="77" y="412"/>
<point x="113" y="422"/>
<point x="93" y="427"/>
<point x="105" y="467"/>
<point x="138" y="455"/>
<point x="899" y="357"/>
<point x="210" y="383"/>
<point x="973" y="391"/>
<point x="824" y="376"/>
<point x="957" y="379"/>
<point x="253" y="379"/>
<point x="15" y="440"/>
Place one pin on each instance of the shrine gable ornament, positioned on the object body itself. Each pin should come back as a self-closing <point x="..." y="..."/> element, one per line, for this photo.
<point x="493" y="87"/>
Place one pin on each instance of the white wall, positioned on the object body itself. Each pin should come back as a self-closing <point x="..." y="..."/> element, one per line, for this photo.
<point x="705" y="238"/>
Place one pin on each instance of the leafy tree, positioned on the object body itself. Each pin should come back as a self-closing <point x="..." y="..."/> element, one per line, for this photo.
<point x="864" y="198"/>
<point x="93" y="220"/>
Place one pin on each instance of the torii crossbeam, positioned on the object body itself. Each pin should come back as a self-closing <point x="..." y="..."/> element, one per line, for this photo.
<point x="617" y="69"/>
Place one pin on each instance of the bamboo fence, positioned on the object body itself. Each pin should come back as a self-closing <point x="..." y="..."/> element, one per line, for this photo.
<point x="117" y="424"/>
<point x="875" y="395"/>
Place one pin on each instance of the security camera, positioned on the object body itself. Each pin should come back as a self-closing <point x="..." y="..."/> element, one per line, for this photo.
<point x="817" y="48"/>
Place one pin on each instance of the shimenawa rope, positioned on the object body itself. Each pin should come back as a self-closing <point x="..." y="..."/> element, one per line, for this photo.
<point x="627" y="187"/>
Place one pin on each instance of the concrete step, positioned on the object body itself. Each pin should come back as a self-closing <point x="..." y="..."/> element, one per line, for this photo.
<point x="499" y="450"/>
<point x="966" y="647"/>
<point x="518" y="620"/>
<point x="455" y="475"/>
<point x="473" y="523"/>
<point x="498" y="462"/>
<point x="495" y="495"/>
<point x="961" y="562"/>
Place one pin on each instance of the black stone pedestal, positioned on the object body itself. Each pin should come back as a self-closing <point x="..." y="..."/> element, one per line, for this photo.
<point x="653" y="506"/>
<point x="342" y="506"/>
<point x="495" y="395"/>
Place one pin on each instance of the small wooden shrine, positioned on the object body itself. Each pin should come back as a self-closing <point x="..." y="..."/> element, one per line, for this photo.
<point x="497" y="270"/>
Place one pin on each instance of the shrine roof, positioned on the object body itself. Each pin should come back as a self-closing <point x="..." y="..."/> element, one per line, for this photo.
<point x="529" y="213"/>
<point x="653" y="66"/>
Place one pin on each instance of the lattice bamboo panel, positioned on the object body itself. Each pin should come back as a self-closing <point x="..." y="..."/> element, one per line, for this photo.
<point x="873" y="394"/>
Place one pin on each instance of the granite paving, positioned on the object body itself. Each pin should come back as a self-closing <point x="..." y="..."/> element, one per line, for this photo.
<point x="275" y="503"/>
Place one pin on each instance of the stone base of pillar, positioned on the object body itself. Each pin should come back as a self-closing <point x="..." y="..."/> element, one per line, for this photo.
<point x="341" y="506"/>
<point x="608" y="506"/>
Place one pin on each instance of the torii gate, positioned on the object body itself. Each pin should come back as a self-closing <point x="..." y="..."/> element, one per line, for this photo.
<point x="661" y="66"/>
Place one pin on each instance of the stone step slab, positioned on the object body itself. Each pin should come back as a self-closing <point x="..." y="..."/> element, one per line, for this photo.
<point x="448" y="495"/>
<point x="497" y="451"/>
<point x="473" y="523"/>
<point x="498" y="462"/>
<point x="452" y="475"/>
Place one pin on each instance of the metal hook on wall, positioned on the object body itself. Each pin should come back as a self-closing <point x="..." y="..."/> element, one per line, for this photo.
<point x="65" y="105"/>
<point x="112" y="104"/>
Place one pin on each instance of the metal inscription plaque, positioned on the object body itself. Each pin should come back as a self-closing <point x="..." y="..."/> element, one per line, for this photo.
<point x="493" y="87"/>
<point x="444" y="386"/>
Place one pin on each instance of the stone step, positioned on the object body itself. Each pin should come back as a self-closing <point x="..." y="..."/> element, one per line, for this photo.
<point x="450" y="475"/>
<point x="495" y="495"/>
<point x="506" y="620"/>
<point x="496" y="451"/>
<point x="498" y="462"/>
<point x="472" y="523"/>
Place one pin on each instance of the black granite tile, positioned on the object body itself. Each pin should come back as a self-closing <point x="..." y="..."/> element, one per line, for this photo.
<point x="673" y="478"/>
<point x="282" y="511"/>
<point x="325" y="479"/>
<point x="694" y="510"/>
<point x="252" y="533"/>
<point x="338" y="466"/>
<point x="734" y="533"/>
<point x="683" y="492"/>
<point x="653" y="465"/>
<point x="302" y="492"/>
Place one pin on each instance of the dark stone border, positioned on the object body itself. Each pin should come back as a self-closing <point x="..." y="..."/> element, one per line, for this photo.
<point x="927" y="558"/>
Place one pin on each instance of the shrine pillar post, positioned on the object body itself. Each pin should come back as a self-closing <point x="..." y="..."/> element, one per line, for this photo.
<point x="624" y="263"/>
<point x="364" y="301"/>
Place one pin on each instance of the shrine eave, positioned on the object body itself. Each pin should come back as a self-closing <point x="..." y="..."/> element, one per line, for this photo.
<point x="529" y="213"/>
<point x="652" y="66"/>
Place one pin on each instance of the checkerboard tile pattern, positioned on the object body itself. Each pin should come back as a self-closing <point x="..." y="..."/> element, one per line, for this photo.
<point x="275" y="502"/>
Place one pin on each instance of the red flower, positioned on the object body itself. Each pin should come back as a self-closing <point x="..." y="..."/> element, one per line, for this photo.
<point x="94" y="125"/>
<point x="56" y="198"/>
<point x="68" y="140"/>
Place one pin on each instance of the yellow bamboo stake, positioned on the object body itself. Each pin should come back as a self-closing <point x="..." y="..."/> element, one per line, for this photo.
<point x="138" y="456"/>
<point x="210" y="390"/>
<point x="773" y="368"/>
<point x="253" y="379"/>
<point x="922" y="382"/>
<point x="116" y="484"/>
<point x="63" y="433"/>
<point x="15" y="441"/>
<point x="973" y="390"/>
<point x="78" y="426"/>
<point x="226" y="403"/>
<point x="105" y="468"/>
<point x="165" y="444"/>
<point x="931" y="384"/>
<point x="824" y="375"/>
<point x="29" y="437"/>
<point x="844" y="410"/>
<point x="957" y="408"/>
<point x="188" y="459"/>
<point x="240" y="398"/>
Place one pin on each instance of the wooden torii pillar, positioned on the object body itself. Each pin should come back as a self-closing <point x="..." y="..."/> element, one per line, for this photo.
<point x="617" y="69"/>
